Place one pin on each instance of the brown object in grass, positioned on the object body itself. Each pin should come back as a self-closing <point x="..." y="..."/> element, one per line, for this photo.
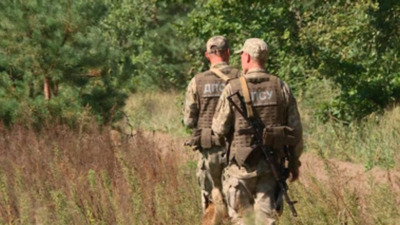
<point x="216" y="211"/>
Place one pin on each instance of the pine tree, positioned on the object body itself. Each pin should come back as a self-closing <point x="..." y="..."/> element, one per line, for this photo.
<point x="48" y="54"/>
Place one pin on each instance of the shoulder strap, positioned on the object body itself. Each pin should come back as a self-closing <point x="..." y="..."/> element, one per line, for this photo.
<point x="246" y="95"/>
<point x="220" y="74"/>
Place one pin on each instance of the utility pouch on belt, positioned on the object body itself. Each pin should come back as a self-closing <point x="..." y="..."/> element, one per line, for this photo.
<point x="204" y="139"/>
<point x="278" y="137"/>
<point x="209" y="140"/>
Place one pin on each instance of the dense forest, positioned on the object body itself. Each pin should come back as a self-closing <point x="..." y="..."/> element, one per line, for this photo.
<point x="70" y="69"/>
<point x="61" y="60"/>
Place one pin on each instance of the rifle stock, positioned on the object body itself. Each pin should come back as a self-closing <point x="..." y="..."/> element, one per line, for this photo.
<point x="258" y="126"/>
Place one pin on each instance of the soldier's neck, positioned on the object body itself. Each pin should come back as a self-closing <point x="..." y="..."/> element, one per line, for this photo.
<point x="217" y="60"/>
<point x="253" y="67"/>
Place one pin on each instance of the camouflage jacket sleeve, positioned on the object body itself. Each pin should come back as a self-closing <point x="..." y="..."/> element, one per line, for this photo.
<point x="294" y="120"/>
<point x="191" y="106"/>
<point x="223" y="118"/>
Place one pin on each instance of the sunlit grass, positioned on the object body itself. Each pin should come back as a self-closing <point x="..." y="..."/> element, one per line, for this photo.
<point x="156" y="111"/>
<point x="373" y="141"/>
<point x="61" y="175"/>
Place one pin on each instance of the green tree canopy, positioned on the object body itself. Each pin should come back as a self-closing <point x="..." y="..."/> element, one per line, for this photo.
<point x="92" y="54"/>
<point x="60" y="45"/>
<point x="355" y="44"/>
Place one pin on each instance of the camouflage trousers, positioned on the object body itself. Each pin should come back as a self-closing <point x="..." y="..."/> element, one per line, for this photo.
<point x="209" y="172"/>
<point x="252" y="196"/>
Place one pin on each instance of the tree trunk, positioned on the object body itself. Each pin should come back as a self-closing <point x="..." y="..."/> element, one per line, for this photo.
<point x="47" y="88"/>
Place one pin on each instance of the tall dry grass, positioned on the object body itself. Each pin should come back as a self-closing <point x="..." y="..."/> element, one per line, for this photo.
<point x="342" y="197"/>
<point x="59" y="175"/>
<point x="63" y="176"/>
<point x="372" y="142"/>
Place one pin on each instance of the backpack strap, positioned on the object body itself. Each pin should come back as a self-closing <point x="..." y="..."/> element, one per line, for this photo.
<point x="246" y="95"/>
<point x="220" y="74"/>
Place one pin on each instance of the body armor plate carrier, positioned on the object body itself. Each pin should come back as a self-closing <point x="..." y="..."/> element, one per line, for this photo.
<point x="268" y="104"/>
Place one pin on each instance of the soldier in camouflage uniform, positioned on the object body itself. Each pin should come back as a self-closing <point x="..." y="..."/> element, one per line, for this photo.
<point x="250" y="190"/>
<point x="201" y="99"/>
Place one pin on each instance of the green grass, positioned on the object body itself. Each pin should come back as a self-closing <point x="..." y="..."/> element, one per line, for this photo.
<point x="60" y="175"/>
<point x="372" y="142"/>
<point x="155" y="111"/>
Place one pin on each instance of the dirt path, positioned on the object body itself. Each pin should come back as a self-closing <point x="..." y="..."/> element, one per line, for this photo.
<point x="349" y="176"/>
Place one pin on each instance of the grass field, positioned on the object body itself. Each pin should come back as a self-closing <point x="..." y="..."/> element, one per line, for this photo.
<point x="60" y="175"/>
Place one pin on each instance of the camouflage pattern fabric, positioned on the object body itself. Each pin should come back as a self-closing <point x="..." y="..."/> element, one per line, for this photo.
<point x="192" y="100"/>
<point x="211" y="162"/>
<point x="209" y="172"/>
<point x="224" y="116"/>
<point x="251" y="194"/>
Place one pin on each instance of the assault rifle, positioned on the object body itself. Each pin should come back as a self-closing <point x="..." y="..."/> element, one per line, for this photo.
<point x="258" y="126"/>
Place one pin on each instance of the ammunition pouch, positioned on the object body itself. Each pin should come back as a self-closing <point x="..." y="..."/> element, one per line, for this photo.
<point x="278" y="137"/>
<point x="204" y="139"/>
<point x="274" y="138"/>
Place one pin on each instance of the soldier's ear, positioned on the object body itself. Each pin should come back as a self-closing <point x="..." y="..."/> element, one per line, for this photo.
<point x="247" y="57"/>
<point x="207" y="55"/>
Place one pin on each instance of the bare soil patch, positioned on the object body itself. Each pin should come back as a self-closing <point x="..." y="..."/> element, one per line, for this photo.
<point x="343" y="175"/>
<point x="352" y="176"/>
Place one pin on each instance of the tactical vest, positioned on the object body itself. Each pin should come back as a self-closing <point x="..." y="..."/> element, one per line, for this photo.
<point x="268" y="104"/>
<point x="209" y="88"/>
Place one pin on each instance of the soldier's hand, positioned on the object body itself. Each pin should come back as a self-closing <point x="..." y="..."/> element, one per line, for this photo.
<point x="294" y="166"/>
<point x="195" y="147"/>
<point x="193" y="143"/>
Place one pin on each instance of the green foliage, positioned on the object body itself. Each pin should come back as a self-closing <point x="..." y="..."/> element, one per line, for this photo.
<point x="8" y="111"/>
<point x="93" y="54"/>
<point x="59" y="42"/>
<point x="356" y="46"/>
<point x="239" y="20"/>
<point x="151" y="49"/>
